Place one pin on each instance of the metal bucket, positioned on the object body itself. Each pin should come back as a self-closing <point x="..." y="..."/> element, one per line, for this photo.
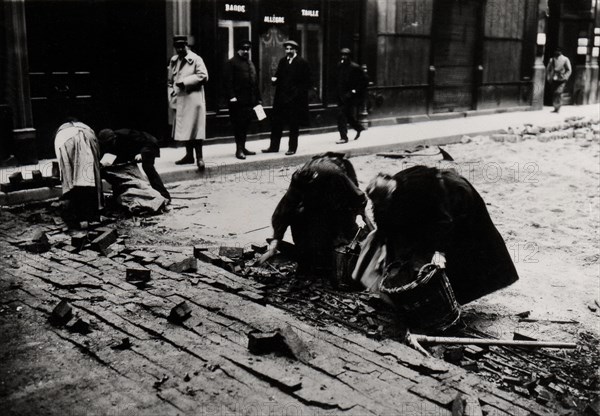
<point x="426" y="302"/>
<point x="345" y="261"/>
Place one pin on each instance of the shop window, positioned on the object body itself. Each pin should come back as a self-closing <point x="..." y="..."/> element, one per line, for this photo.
<point x="310" y="38"/>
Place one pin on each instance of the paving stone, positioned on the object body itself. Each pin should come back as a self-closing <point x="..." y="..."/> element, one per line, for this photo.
<point x="62" y="313"/>
<point x="180" y="312"/>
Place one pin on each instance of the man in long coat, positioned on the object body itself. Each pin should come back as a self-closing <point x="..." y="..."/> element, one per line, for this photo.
<point x="321" y="207"/>
<point x="241" y="89"/>
<point x="290" y="105"/>
<point x="351" y="88"/>
<point x="421" y="211"/>
<point x="187" y="76"/>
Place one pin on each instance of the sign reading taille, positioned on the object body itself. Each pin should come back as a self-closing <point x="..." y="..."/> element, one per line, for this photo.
<point x="309" y="13"/>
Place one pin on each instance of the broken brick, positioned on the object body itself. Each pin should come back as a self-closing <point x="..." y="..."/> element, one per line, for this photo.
<point x="180" y="312"/>
<point x="61" y="313"/>
<point x="511" y="380"/>
<point x="15" y="178"/>
<point x="454" y="353"/>
<point x="470" y="365"/>
<point x="36" y="175"/>
<point x="104" y="240"/>
<point x="264" y="342"/>
<point x="231" y="252"/>
<point x="297" y="348"/>
<point x="474" y="352"/>
<point x="137" y="275"/>
<point x="79" y="240"/>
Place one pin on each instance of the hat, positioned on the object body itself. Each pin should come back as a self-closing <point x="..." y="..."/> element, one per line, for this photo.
<point x="243" y="43"/>
<point x="291" y="43"/>
<point x="105" y="135"/>
<point x="345" y="51"/>
<point x="180" y="39"/>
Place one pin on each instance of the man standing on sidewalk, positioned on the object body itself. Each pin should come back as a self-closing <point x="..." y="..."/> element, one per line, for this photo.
<point x="187" y="76"/>
<point x="290" y="106"/>
<point x="241" y="89"/>
<point x="351" y="87"/>
<point x="134" y="146"/>
<point x="557" y="74"/>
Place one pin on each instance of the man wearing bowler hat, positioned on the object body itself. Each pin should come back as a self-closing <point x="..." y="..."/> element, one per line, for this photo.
<point x="187" y="76"/>
<point x="351" y="88"/>
<point x="290" y="106"/>
<point x="241" y="89"/>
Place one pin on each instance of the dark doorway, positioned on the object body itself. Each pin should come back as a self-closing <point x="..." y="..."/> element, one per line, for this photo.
<point x="101" y="62"/>
<point x="456" y="29"/>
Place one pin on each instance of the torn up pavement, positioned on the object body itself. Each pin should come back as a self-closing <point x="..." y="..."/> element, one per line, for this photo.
<point x="112" y="327"/>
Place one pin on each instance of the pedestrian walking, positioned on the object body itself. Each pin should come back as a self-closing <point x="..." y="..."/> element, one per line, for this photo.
<point x="241" y="89"/>
<point x="557" y="75"/>
<point x="187" y="76"/>
<point x="78" y="153"/>
<point x="134" y="146"/>
<point x="290" y="106"/>
<point x="324" y="207"/>
<point x="351" y="87"/>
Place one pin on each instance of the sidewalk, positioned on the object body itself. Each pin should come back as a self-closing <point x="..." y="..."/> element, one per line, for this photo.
<point x="220" y="158"/>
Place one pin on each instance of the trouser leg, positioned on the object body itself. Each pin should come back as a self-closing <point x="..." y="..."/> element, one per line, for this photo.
<point x="276" y="132"/>
<point x="342" y="122"/>
<point x="294" y="133"/>
<point x="153" y="176"/>
<point x="350" y="111"/>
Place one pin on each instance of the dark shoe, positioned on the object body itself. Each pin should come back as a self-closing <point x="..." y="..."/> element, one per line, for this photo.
<point x="240" y="155"/>
<point x="358" y="132"/>
<point x="555" y="110"/>
<point x="270" y="151"/>
<point x="201" y="166"/>
<point x="187" y="160"/>
<point x="248" y="152"/>
<point x="290" y="152"/>
<point x="342" y="141"/>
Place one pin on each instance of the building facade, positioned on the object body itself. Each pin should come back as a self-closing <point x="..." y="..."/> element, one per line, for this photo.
<point x="104" y="61"/>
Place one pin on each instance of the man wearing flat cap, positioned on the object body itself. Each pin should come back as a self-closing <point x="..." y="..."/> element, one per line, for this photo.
<point x="241" y="89"/>
<point x="187" y="76"/>
<point x="351" y="88"/>
<point x="290" y="106"/>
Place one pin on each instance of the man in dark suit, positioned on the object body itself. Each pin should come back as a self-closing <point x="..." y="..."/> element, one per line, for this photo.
<point x="292" y="82"/>
<point x="241" y="89"/>
<point x="351" y="88"/>
<point x="134" y="146"/>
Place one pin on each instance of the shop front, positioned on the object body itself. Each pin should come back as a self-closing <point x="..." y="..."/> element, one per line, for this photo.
<point x="316" y="25"/>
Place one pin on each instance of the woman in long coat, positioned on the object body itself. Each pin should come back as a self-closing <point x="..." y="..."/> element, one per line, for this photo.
<point x="421" y="211"/>
<point x="187" y="76"/>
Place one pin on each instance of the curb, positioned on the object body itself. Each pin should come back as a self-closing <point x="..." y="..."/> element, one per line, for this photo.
<point x="240" y="167"/>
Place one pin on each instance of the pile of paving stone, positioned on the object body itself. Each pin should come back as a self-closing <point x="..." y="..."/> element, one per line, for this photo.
<point x="572" y="128"/>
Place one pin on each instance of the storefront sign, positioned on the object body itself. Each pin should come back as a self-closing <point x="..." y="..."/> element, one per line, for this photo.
<point x="274" y="19"/>
<point x="237" y="8"/>
<point x="309" y="13"/>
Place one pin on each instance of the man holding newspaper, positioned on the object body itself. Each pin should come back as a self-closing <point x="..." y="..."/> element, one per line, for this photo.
<point x="241" y="89"/>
